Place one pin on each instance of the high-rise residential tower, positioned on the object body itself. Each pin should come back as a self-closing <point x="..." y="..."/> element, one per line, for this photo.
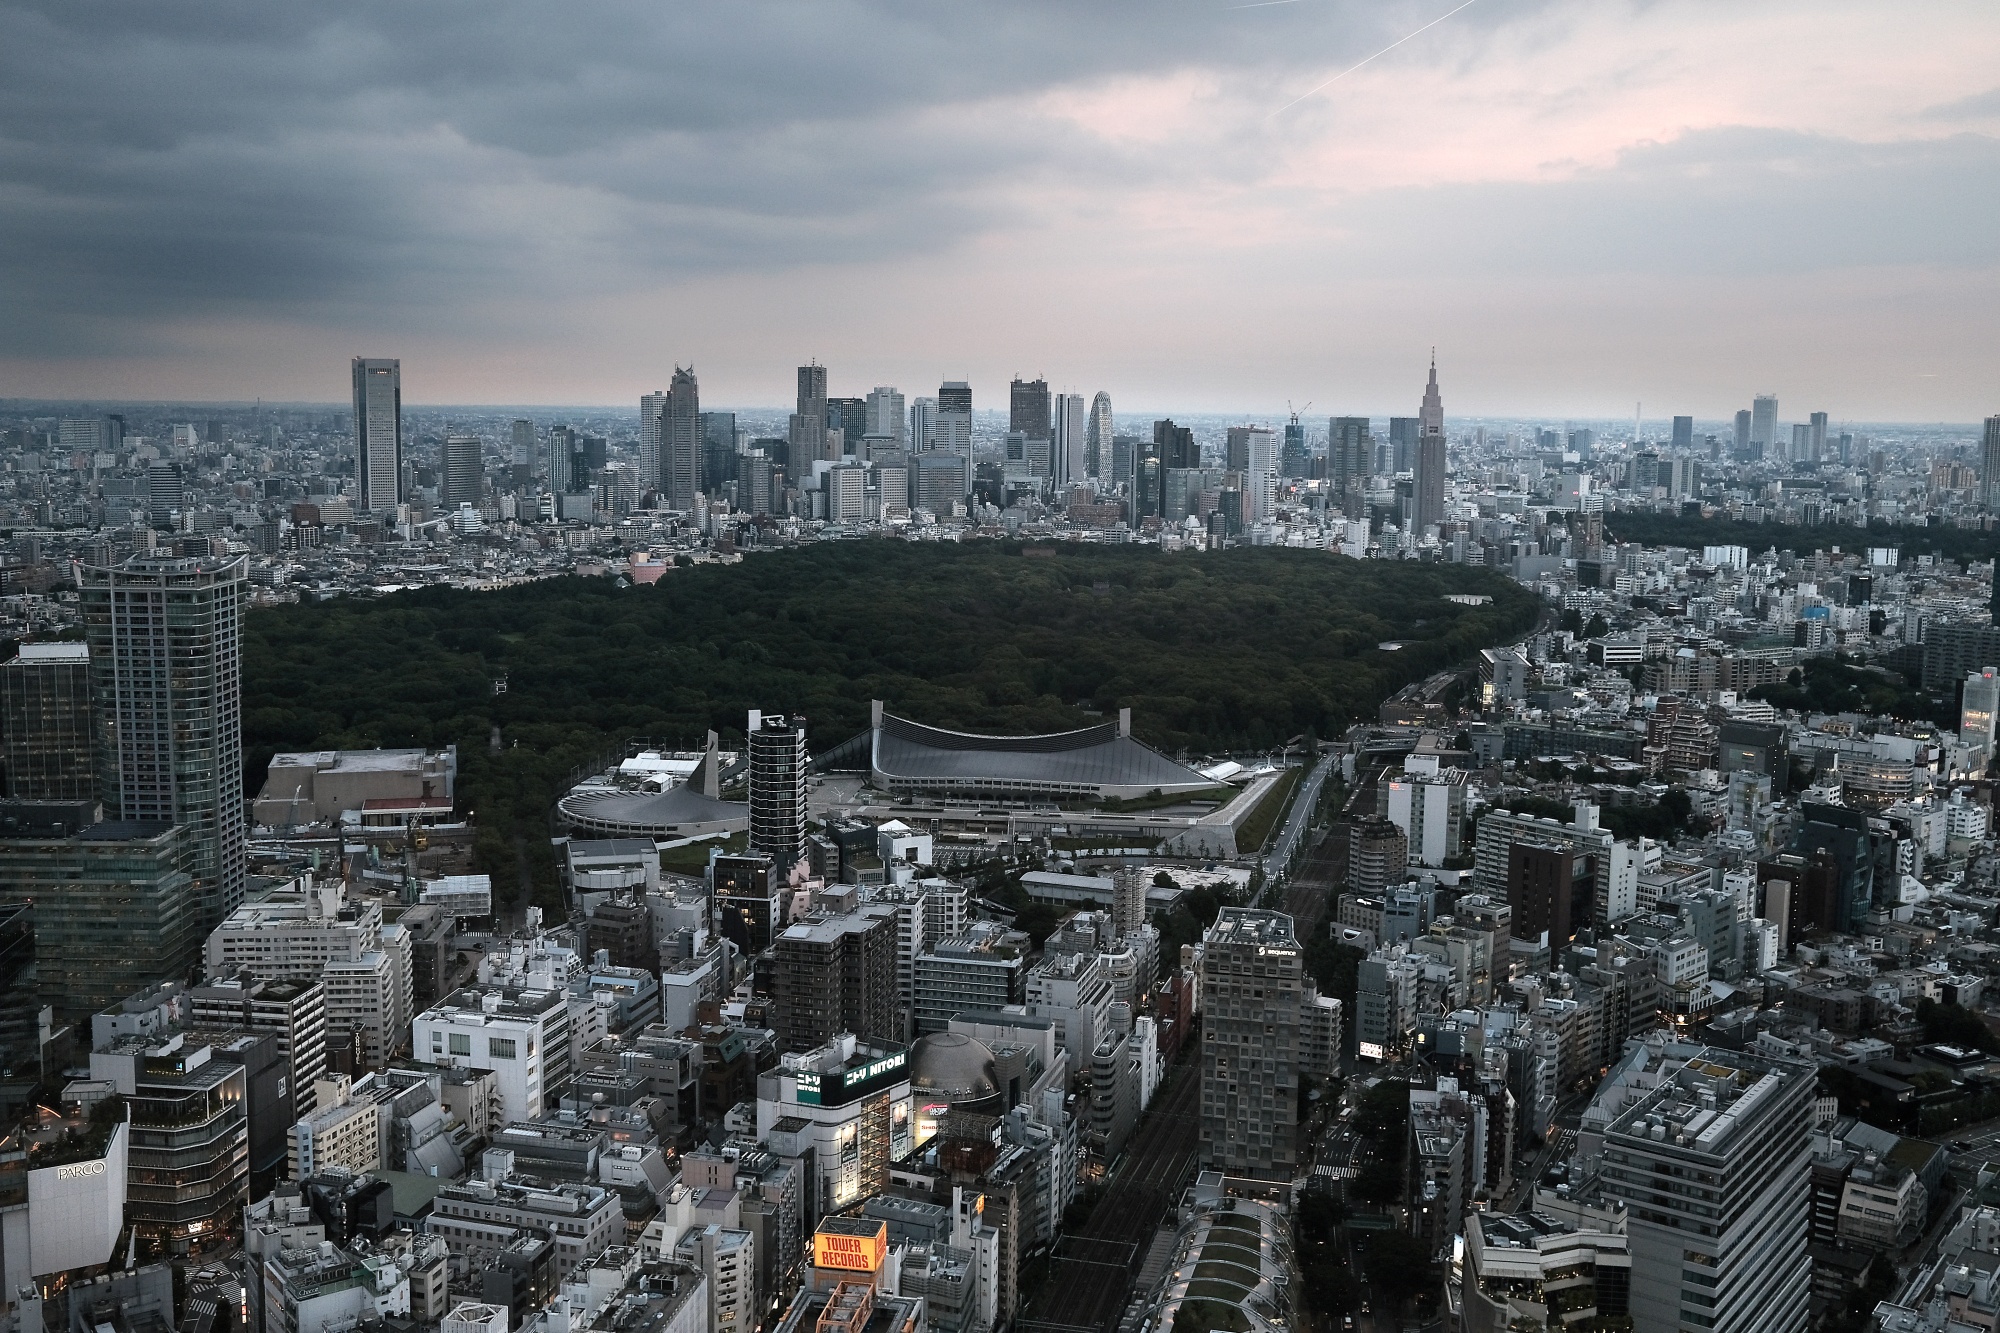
<point x="378" y="434"/>
<point x="1989" y="471"/>
<point x="459" y="478"/>
<point x="954" y="417"/>
<point x="166" y="680"/>
<point x="778" y="760"/>
<point x="1427" y="490"/>
<point x="1097" y="438"/>
<point x="1028" y="408"/>
<point x="681" y="442"/>
<point x="565" y="476"/>
<point x="1253" y="985"/>
<point x="46" y="726"/>
<point x="1066" y="444"/>
<point x="652" y="422"/>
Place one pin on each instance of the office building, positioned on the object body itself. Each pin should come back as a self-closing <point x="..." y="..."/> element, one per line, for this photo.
<point x="1711" y="1163"/>
<point x="1253" y="452"/>
<point x="1253" y="984"/>
<point x="1028" y="408"/>
<point x="1763" y="422"/>
<point x="939" y="481"/>
<point x="806" y="441"/>
<point x="378" y="435"/>
<point x="1097" y="437"/>
<point x="293" y="1012"/>
<point x="981" y="970"/>
<point x="833" y="973"/>
<point x="1066" y="445"/>
<point x="47" y="740"/>
<point x="522" y="1035"/>
<point x="114" y="908"/>
<point x="718" y="449"/>
<point x="923" y="424"/>
<point x="1742" y="434"/>
<point x="1430" y="810"/>
<point x="1173" y="448"/>
<point x="885" y="415"/>
<point x="1816" y="436"/>
<point x="1428" y="476"/>
<point x="681" y="443"/>
<point x="778" y="761"/>
<point x="1979" y="709"/>
<point x="1292" y="454"/>
<point x="1683" y="434"/>
<point x="954" y="418"/>
<point x="522" y="440"/>
<point x="746" y="889"/>
<point x="1349" y="453"/>
<point x="166" y="682"/>
<point x="1548" y="890"/>
<point x="460" y="477"/>
<point x="1989" y="469"/>
<point x="848" y="416"/>
<point x="166" y="493"/>
<point x="480" y="1219"/>
<point x="567" y="474"/>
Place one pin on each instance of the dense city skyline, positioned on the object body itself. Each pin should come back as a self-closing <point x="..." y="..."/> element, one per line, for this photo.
<point x="1584" y="206"/>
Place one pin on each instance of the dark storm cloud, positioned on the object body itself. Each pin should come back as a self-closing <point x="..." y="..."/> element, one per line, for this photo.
<point x="251" y="159"/>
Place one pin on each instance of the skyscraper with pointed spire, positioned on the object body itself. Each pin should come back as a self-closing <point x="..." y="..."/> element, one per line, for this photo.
<point x="1427" y="488"/>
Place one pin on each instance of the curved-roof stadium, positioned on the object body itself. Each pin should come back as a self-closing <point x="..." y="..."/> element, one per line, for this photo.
<point x="1092" y="762"/>
<point x="678" y="812"/>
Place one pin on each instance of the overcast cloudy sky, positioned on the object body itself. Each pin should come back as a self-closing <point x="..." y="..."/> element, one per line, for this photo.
<point x="1580" y="203"/>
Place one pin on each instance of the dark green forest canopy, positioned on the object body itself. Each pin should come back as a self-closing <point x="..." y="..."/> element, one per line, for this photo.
<point x="1233" y="649"/>
<point x="1650" y="529"/>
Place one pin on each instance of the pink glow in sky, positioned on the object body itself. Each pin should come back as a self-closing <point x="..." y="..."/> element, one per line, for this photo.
<point x="1580" y="204"/>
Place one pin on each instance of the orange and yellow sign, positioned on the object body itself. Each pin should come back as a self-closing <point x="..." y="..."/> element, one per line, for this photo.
<point x="860" y="1254"/>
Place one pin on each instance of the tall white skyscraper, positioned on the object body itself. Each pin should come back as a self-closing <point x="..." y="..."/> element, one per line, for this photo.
<point x="1764" y="420"/>
<point x="1098" y="436"/>
<point x="954" y="418"/>
<point x="1253" y="451"/>
<point x="885" y="414"/>
<point x="378" y="434"/>
<point x="923" y="425"/>
<point x="1066" y="448"/>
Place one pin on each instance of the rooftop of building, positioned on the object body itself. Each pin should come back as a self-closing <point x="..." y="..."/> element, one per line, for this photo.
<point x="1248" y="925"/>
